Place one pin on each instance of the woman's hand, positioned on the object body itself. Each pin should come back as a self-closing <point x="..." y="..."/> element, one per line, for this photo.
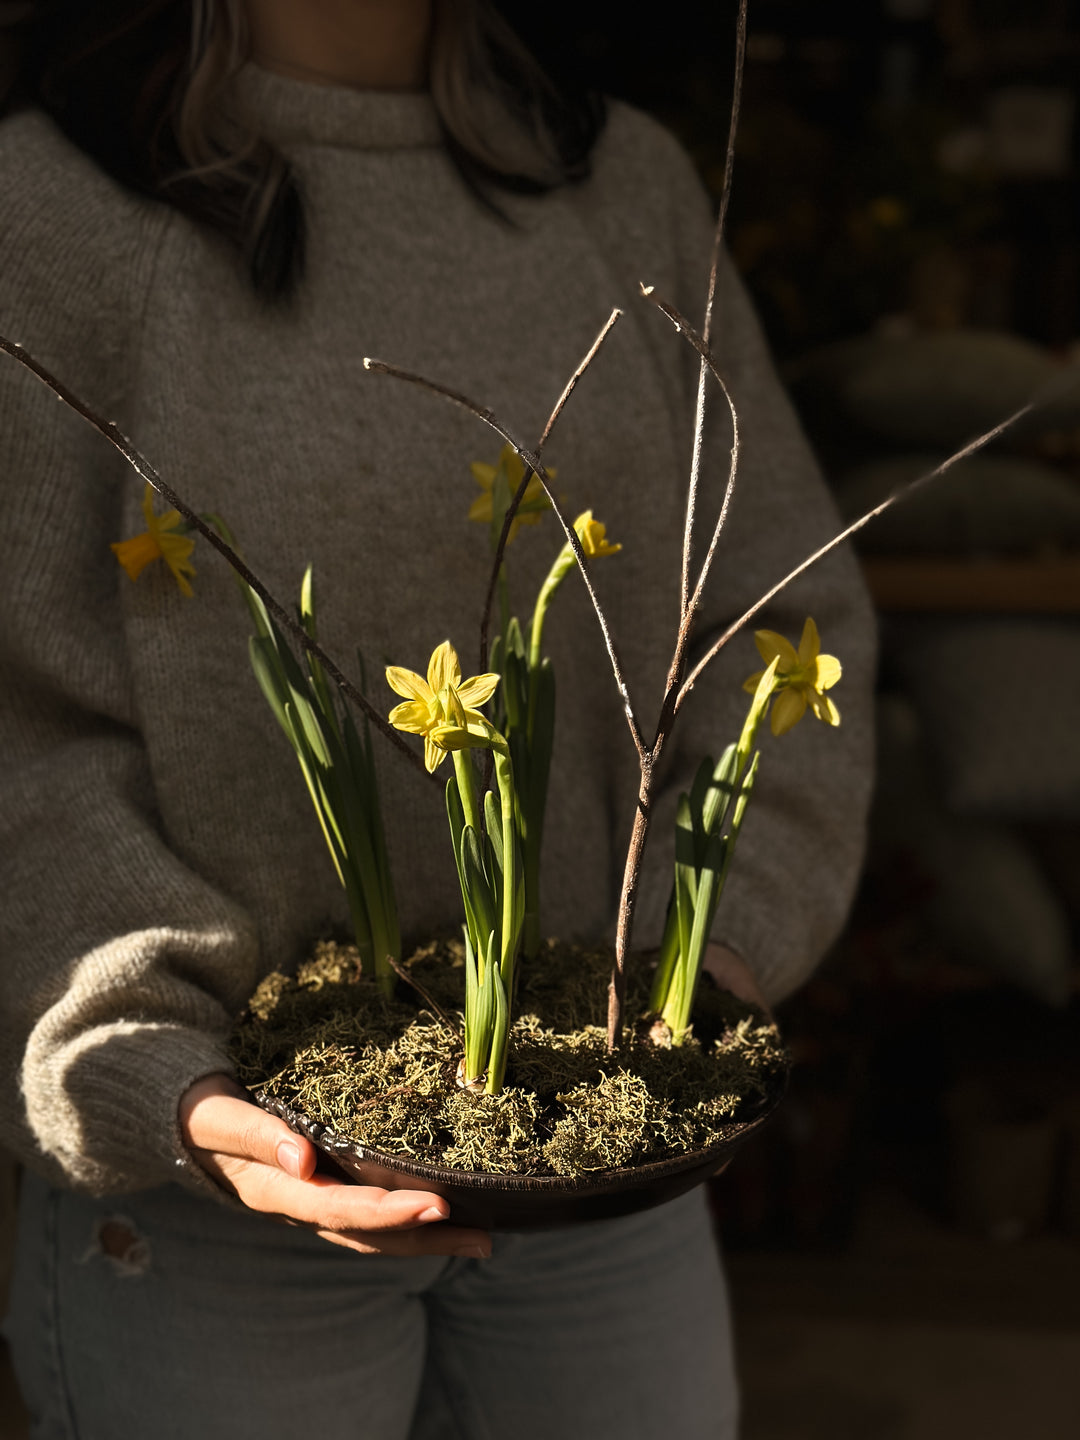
<point x="731" y="972"/>
<point x="272" y="1170"/>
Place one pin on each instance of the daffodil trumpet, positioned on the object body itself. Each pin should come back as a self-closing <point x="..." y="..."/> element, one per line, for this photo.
<point x="163" y="539"/>
<point x="339" y="770"/>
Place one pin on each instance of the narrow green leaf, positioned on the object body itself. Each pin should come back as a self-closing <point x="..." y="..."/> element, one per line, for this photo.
<point x="721" y="790"/>
<point x="500" y="1035"/>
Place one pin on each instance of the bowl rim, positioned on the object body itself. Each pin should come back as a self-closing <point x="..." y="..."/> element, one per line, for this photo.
<point x="327" y="1139"/>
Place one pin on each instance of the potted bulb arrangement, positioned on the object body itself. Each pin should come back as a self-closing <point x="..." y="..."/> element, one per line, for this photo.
<point x="490" y="1068"/>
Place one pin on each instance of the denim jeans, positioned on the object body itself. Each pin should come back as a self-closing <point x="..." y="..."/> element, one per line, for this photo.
<point x="162" y="1316"/>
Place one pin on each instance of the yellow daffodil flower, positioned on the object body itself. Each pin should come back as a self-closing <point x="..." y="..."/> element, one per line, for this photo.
<point x="156" y="543"/>
<point x="441" y="707"/>
<point x="592" y="535"/>
<point x="802" y="677"/>
<point x="533" y="504"/>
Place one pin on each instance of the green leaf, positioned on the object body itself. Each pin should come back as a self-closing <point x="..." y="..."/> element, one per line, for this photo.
<point x="721" y="790"/>
<point x="515" y="641"/>
<point x="500" y="1035"/>
<point x="687" y="852"/>
<point x="307" y="603"/>
<point x="271" y="681"/>
<point x="477" y="888"/>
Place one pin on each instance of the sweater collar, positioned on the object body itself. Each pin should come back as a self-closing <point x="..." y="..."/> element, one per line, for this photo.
<point x="295" y="112"/>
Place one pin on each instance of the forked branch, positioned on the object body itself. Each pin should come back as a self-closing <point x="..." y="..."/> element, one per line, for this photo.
<point x="533" y="462"/>
<point x="519" y="493"/>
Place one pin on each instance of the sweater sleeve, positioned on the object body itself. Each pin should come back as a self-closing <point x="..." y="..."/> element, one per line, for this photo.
<point x="120" y="967"/>
<point x="800" y="849"/>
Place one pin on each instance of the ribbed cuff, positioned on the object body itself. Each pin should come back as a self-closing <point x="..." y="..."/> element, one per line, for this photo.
<point x="105" y="1108"/>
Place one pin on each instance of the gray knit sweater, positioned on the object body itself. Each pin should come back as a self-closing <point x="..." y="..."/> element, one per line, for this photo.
<point x="158" y="849"/>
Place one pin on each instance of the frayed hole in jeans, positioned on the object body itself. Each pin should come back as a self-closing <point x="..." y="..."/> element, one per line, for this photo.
<point x="115" y="1238"/>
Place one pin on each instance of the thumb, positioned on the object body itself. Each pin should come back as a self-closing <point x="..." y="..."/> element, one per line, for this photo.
<point x="215" y="1114"/>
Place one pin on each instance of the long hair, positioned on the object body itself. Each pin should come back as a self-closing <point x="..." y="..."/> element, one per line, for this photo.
<point x="144" y="88"/>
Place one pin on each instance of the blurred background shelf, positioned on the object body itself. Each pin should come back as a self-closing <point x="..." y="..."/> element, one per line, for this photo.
<point x="906" y="585"/>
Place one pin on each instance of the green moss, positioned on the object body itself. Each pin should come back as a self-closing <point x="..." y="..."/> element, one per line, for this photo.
<point x="383" y="1072"/>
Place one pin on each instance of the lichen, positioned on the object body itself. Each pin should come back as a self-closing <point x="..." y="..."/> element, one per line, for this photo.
<point x="382" y="1072"/>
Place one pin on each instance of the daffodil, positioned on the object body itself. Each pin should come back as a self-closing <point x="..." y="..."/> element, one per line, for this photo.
<point x="802" y="677"/>
<point x="593" y="536"/>
<point x="442" y="707"/>
<point x="158" y="543"/>
<point x="533" y="503"/>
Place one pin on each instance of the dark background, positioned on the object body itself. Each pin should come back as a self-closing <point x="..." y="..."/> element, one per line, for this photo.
<point x="905" y="1243"/>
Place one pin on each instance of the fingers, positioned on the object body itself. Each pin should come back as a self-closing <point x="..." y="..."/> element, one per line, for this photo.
<point x="272" y="1170"/>
<point x="329" y="1204"/>
<point x="216" y="1117"/>
<point x="362" y="1217"/>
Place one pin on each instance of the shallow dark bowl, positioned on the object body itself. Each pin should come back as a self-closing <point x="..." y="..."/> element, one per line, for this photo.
<point x="530" y="1202"/>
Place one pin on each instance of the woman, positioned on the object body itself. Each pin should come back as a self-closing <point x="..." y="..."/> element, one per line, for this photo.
<point x="212" y="213"/>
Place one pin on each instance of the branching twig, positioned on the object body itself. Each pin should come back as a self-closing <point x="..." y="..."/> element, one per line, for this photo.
<point x="714" y="270"/>
<point x="386" y="1095"/>
<point x="146" y="471"/>
<point x="432" y="1004"/>
<point x="692" y="606"/>
<point x="533" y="462"/>
<point x="900" y="493"/>
<point x="519" y="493"/>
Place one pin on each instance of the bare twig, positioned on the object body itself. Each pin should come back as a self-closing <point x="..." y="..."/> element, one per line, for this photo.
<point x="901" y="493"/>
<point x="692" y="606"/>
<point x="386" y="1095"/>
<point x="519" y="493"/>
<point x="432" y="1004"/>
<point x="532" y="460"/>
<point x="146" y="471"/>
<point x="714" y="269"/>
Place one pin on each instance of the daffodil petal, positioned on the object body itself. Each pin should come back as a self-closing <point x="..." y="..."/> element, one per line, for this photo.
<point x="788" y="709"/>
<point x="829" y="671"/>
<point x="412" y="716"/>
<point x="480" y="509"/>
<point x="478" y="689"/>
<point x="176" y="548"/>
<point x="169" y="521"/>
<point x="434" y="755"/>
<point x="771" y="645"/>
<point x="751" y="682"/>
<point x="484" y="475"/>
<point x="176" y="551"/>
<point x="148" y="507"/>
<point x="824" y="708"/>
<point x="408" y="683"/>
<point x="513" y="466"/>
<point x="444" y="668"/>
<point x="809" y="642"/>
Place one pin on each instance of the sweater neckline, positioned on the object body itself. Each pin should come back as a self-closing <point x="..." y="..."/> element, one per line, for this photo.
<point x="297" y="112"/>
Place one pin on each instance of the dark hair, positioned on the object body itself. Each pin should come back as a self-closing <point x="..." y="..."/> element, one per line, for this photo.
<point x="142" y="86"/>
